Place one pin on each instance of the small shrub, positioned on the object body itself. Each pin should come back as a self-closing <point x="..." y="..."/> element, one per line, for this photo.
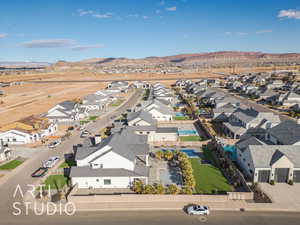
<point x="187" y="190"/>
<point x="159" y="189"/>
<point x="138" y="186"/>
<point x="291" y="182"/>
<point x="173" y="189"/>
<point x="149" y="189"/>
<point x="159" y="155"/>
<point x="272" y="182"/>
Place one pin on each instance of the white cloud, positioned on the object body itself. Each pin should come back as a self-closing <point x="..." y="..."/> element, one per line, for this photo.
<point x="264" y="31"/>
<point x="49" y="43"/>
<point x="146" y="17"/>
<point x="103" y="16"/>
<point x="85" y="47"/>
<point x="236" y="33"/>
<point x="173" y="8"/>
<point x="3" y="35"/>
<point x="162" y="3"/>
<point x="290" y="13"/>
<point x="85" y="12"/>
<point x="241" y="33"/>
<point x="157" y="11"/>
<point x="134" y="15"/>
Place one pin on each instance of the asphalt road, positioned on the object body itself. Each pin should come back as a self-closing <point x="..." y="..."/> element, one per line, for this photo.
<point x="159" y="218"/>
<point x="23" y="178"/>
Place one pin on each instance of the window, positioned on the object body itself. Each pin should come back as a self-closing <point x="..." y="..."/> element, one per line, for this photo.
<point x="107" y="182"/>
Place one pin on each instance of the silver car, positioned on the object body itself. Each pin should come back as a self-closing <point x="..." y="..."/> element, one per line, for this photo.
<point x="198" y="210"/>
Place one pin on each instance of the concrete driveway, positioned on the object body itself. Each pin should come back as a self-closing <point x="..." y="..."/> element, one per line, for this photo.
<point x="283" y="193"/>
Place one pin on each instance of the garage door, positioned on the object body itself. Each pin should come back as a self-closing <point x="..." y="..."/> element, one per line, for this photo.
<point x="263" y="176"/>
<point x="281" y="175"/>
<point x="297" y="176"/>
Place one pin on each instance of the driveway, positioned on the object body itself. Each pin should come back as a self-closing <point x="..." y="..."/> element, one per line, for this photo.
<point x="283" y="193"/>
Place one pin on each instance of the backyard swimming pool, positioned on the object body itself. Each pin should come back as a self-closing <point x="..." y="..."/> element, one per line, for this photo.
<point x="187" y="132"/>
<point x="179" y="114"/>
<point x="189" y="152"/>
<point x="231" y="151"/>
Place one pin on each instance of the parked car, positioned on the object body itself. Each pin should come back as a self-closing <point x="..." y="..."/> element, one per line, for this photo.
<point x="54" y="144"/>
<point x="51" y="162"/>
<point x="40" y="172"/>
<point x="198" y="210"/>
<point x="84" y="134"/>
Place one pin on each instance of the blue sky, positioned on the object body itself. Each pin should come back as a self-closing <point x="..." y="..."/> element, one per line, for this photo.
<point x="51" y="30"/>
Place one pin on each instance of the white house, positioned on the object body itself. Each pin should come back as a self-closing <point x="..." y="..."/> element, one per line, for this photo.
<point x="264" y="163"/>
<point x="114" y="162"/>
<point x="67" y="111"/>
<point x="159" y="111"/>
<point x="27" y="130"/>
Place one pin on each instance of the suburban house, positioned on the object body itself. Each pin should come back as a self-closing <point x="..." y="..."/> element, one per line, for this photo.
<point x="264" y="163"/>
<point x="27" y="130"/>
<point x="274" y="84"/>
<point x="288" y="99"/>
<point x="244" y="119"/>
<point x="122" y="85"/>
<point x="67" y="111"/>
<point x="114" y="162"/>
<point x="95" y="102"/>
<point x="222" y="114"/>
<point x="143" y="124"/>
<point x="159" y="111"/>
<point x="285" y="133"/>
<point x="5" y="152"/>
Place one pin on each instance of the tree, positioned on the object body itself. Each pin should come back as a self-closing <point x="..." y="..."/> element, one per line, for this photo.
<point x="168" y="155"/>
<point x="173" y="189"/>
<point x="159" y="154"/>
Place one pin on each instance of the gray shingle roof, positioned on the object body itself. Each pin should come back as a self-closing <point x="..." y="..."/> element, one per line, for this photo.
<point x="125" y="143"/>
<point x="287" y="132"/>
<point x="264" y="156"/>
<point x="167" y="130"/>
<point x="243" y="144"/>
<point x="143" y="115"/>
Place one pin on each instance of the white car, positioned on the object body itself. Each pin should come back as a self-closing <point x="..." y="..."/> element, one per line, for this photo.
<point x="51" y="162"/>
<point x="84" y="134"/>
<point x="54" y="144"/>
<point x="198" y="210"/>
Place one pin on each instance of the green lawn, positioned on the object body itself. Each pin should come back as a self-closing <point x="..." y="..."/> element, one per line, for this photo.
<point x="67" y="163"/>
<point x="209" y="179"/>
<point x="190" y="138"/>
<point x="118" y="102"/>
<point x="56" y="181"/>
<point x="181" y="118"/>
<point x="11" y="165"/>
<point x="92" y="118"/>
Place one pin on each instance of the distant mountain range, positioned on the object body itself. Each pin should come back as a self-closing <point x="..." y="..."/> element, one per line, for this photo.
<point x="186" y="58"/>
<point x="20" y="64"/>
<point x="211" y="57"/>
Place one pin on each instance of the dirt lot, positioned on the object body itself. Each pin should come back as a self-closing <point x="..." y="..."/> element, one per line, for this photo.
<point x="35" y="98"/>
